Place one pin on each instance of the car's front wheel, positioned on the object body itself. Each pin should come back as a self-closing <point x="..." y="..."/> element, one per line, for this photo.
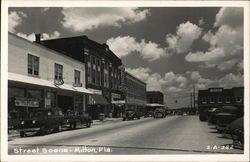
<point x="22" y="134"/>
<point x="88" y="125"/>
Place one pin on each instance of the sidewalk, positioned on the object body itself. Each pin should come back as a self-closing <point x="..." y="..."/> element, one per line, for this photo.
<point x="106" y="120"/>
<point x="15" y="133"/>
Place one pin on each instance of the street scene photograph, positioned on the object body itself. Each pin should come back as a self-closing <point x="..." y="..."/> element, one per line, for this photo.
<point x="125" y="81"/>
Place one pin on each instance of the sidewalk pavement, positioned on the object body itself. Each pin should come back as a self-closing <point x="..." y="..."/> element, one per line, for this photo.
<point x="106" y="120"/>
<point x="15" y="133"/>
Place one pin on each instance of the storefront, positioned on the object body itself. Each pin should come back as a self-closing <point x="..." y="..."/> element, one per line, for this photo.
<point x="23" y="96"/>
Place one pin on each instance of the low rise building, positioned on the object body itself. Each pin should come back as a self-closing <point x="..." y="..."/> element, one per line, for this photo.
<point x="39" y="77"/>
<point x="218" y="97"/>
<point x="155" y="97"/>
<point x="135" y="92"/>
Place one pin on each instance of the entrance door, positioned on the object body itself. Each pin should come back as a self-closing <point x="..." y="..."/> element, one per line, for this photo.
<point x="65" y="103"/>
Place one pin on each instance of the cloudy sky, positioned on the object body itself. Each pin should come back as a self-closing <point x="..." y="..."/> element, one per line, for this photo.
<point x="172" y="49"/>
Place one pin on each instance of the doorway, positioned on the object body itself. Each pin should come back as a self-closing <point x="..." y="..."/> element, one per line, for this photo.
<point x="65" y="103"/>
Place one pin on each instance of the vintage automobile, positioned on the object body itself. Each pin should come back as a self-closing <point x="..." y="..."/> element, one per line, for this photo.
<point x="226" y="116"/>
<point x="13" y="121"/>
<point x="46" y="120"/>
<point x="159" y="113"/>
<point x="149" y="114"/>
<point x="236" y="130"/>
<point x="212" y="115"/>
<point x="131" y="114"/>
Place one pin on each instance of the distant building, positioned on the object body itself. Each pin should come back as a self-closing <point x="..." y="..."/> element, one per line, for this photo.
<point x="218" y="97"/>
<point x="155" y="97"/>
<point x="103" y="71"/>
<point x="135" y="92"/>
<point x="39" y="77"/>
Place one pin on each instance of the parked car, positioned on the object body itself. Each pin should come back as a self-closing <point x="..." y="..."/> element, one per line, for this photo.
<point x="236" y="130"/>
<point x="46" y="120"/>
<point x="13" y="121"/>
<point x="226" y="116"/>
<point x="131" y="114"/>
<point x="149" y="114"/>
<point x="211" y="113"/>
<point x="159" y="113"/>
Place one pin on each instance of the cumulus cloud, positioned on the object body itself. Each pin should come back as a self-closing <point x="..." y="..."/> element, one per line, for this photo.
<point x="170" y="82"/>
<point x="123" y="46"/>
<point x="231" y="80"/>
<point x="81" y="19"/>
<point x="185" y="35"/>
<point x="226" y="41"/>
<point x="230" y="16"/>
<point x="15" y="19"/>
<point x="44" y="36"/>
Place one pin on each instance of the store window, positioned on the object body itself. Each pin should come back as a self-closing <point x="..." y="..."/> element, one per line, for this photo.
<point x="35" y="95"/>
<point x="58" y="72"/>
<point x="78" y="104"/>
<point x="33" y="65"/>
<point x="77" y="77"/>
<point x="50" y="100"/>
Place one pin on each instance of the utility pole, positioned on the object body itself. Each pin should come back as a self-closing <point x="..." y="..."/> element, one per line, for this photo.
<point x="194" y="96"/>
<point x="191" y="100"/>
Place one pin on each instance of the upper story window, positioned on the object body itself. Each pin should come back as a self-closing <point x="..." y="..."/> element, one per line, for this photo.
<point x="238" y="99"/>
<point x="33" y="65"/>
<point x="77" y="77"/>
<point x="228" y="99"/>
<point x="58" y="72"/>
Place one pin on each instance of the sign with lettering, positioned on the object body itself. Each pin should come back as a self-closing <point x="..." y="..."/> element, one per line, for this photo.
<point x="58" y="82"/>
<point x="26" y="102"/>
<point x="216" y="90"/>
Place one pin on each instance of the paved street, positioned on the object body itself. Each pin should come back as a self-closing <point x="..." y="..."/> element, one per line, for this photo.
<point x="171" y="135"/>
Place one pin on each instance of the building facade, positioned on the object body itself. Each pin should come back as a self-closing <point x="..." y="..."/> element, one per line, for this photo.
<point x="135" y="92"/>
<point x="155" y="97"/>
<point x="103" y="71"/>
<point x="218" y="97"/>
<point x="39" y="77"/>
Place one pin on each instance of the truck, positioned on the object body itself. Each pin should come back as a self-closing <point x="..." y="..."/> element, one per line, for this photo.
<point x="47" y="120"/>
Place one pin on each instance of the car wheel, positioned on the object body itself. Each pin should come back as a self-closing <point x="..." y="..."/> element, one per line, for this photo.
<point x="42" y="130"/>
<point x="59" y="128"/>
<point x="88" y="124"/>
<point x="203" y="118"/>
<point x="22" y="134"/>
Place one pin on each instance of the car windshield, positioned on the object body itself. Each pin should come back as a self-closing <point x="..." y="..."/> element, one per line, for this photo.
<point x="37" y="114"/>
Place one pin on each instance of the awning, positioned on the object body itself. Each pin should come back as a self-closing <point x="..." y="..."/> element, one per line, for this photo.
<point x="155" y="105"/>
<point x="118" y="102"/>
<point x="47" y="83"/>
<point x="83" y="90"/>
<point x="98" y="99"/>
<point x="30" y="80"/>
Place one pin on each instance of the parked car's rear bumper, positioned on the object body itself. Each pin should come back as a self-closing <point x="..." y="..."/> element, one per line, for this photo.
<point x="29" y="129"/>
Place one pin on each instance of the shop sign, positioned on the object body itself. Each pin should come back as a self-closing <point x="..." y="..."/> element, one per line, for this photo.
<point x="58" y="82"/>
<point x="26" y="102"/>
<point x="216" y="90"/>
<point x="115" y="95"/>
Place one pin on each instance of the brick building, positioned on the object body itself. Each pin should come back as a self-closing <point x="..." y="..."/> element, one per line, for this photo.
<point x="39" y="77"/>
<point x="103" y="71"/>
<point x="135" y="92"/>
<point x="155" y="97"/>
<point x="218" y="97"/>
